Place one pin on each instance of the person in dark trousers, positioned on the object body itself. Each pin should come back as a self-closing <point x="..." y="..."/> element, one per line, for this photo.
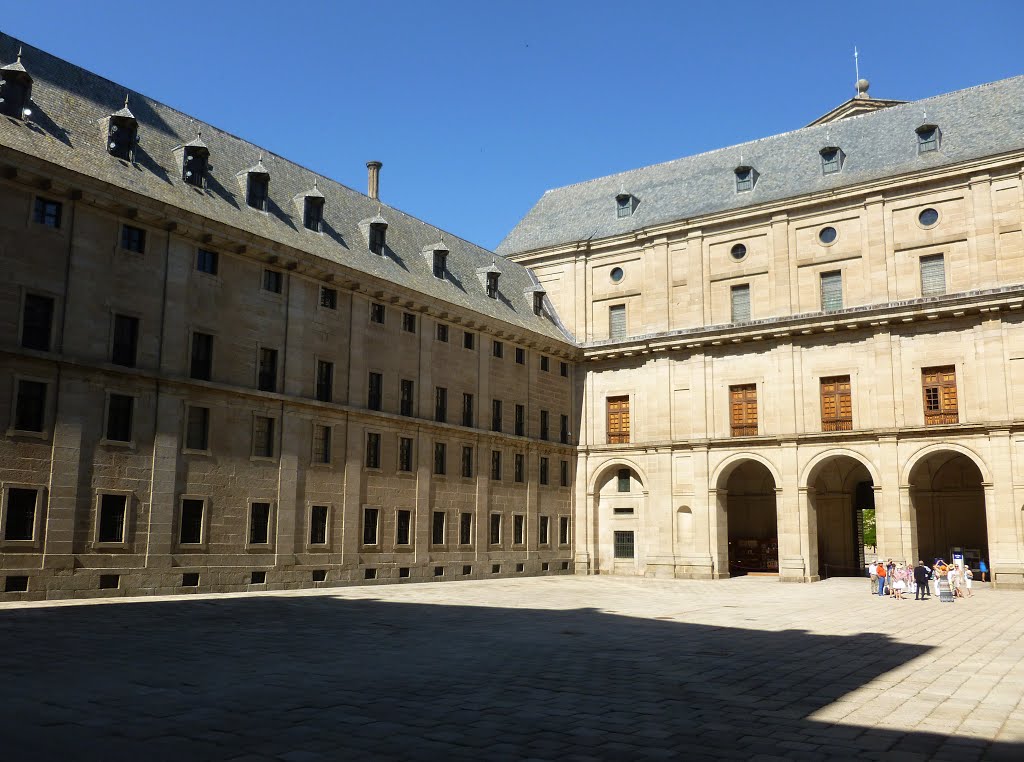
<point x="921" y="574"/>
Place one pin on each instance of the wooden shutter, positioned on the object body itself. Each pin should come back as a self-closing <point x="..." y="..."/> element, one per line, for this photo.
<point x="743" y="410"/>
<point x="618" y="420"/>
<point x="617" y="321"/>
<point x="940" y="395"/>
<point x="933" y="275"/>
<point x="740" y="308"/>
<point x="831" y="291"/>
<point x="836" y="404"/>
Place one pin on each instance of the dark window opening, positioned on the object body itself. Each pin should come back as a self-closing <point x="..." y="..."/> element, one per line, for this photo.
<point x="440" y="404"/>
<point x="403" y="528"/>
<point x="197" y="428"/>
<point x="21" y="514"/>
<point x="273" y="281"/>
<point x="259" y="524"/>
<point x="15" y="92"/>
<point x="497" y="349"/>
<point x="623" y="480"/>
<point x="520" y="420"/>
<point x="257" y="192"/>
<point x="190" y="530"/>
<point x="190" y="579"/>
<point x="30" y="406"/>
<point x="442" y="332"/>
<point x="126" y="341"/>
<point x="563" y="530"/>
<point x="318" y="525"/>
<point x="110" y="581"/>
<point x="375" y="391"/>
<point x="624" y="545"/>
<point x="119" y="417"/>
<point x="404" y="454"/>
<point x="518" y="530"/>
<point x="373" y="450"/>
<point x="544" y="433"/>
<point x="563" y="473"/>
<point x="545" y="363"/>
<point x="16" y="583"/>
<point x="440" y="458"/>
<point x="47" y="213"/>
<point x="313" y="213"/>
<point x="37" y="322"/>
<point x="543" y="471"/>
<point x="520" y="356"/>
<point x="405" y="401"/>
<point x="319" y="575"/>
<point x="267" y="381"/>
<point x="378" y="233"/>
<point x="133" y="239"/>
<point x="468" y="340"/>
<point x="496" y="415"/>
<point x="207" y="261"/>
<point x="496" y="465"/>
<point x="122" y="135"/>
<point x="408" y="322"/>
<point x="377" y="313"/>
<point x="465" y="529"/>
<point x="519" y="468"/>
<point x="544" y="530"/>
<point x="258" y="578"/>
<point x="492" y="285"/>
<point x="111" y="518"/>
<point x="440" y="263"/>
<point x="263" y="437"/>
<point x="494" y="538"/>
<point x="194" y="165"/>
<point x="201" y="366"/>
<point x="467" y="462"/>
<point x="467" y="409"/>
<point x="437" y="528"/>
<point x="328" y="298"/>
<point x="324" y="380"/>
<point x="321" y="443"/>
<point x="370" y="518"/>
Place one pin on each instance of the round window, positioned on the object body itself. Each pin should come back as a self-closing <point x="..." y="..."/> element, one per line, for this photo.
<point x="928" y="217"/>
<point x="827" y="235"/>
<point x="738" y="251"/>
<point x="617" y="274"/>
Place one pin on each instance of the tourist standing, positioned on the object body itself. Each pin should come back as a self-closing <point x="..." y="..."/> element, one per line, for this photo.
<point x="968" y="578"/>
<point x="921" y="578"/>
<point x="873" y="575"/>
<point x="983" y="568"/>
<point x="880" y="575"/>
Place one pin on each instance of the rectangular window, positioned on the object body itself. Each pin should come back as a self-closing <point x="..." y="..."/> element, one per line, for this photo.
<point x="544" y="425"/>
<point x="519" y="468"/>
<point x="437" y="528"/>
<point x="743" y="410"/>
<point x="133" y="239"/>
<point x="37" y="322"/>
<point x="497" y="349"/>
<point x="403" y="527"/>
<point x="313" y="213"/>
<point x="259" y="524"/>
<point x="126" y="341"/>
<point x="378" y="238"/>
<point x="518" y="529"/>
<point x="520" y="356"/>
<point x="933" y="275"/>
<point x="201" y="365"/>
<point x="376" y="313"/>
<point x="257" y="190"/>
<point x="624" y="545"/>
<point x="442" y="332"/>
<point x="404" y="454"/>
<point x="197" y="428"/>
<point x="623" y="480"/>
<point x="545" y="363"/>
<point x="739" y="303"/>
<point x="617" y="321"/>
<point x="119" y="417"/>
<point x="273" y="281"/>
<point x="440" y="458"/>
<point x="563" y="530"/>
<point x="563" y="429"/>
<point x="494" y="537"/>
<point x="321" y="443"/>
<point x="324" y="380"/>
<point x="318" y="525"/>
<point x="267" y="380"/>
<point x="544" y="530"/>
<point x="190" y="531"/>
<point x="831" y="160"/>
<point x="111" y="527"/>
<point x="405" y="396"/>
<point x="563" y="473"/>
<point x="836" y="404"/>
<point x="207" y="261"/>
<point x="544" y="471"/>
<point x="495" y="415"/>
<point x="520" y="420"/>
<point x="927" y="139"/>
<point x="618" y="420"/>
<point x="468" y="340"/>
<point x="20" y="523"/>
<point x="465" y="529"/>
<point x="744" y="180"/>
<point x="496" y="465"/>
<point x="940" y="396"/>
<point x="370" y="521"/>
<point x="467" y="409"/>
<point x="328" y="298"/>
<point x="263" y="437"/>
<point x="408" y="322"/>
<point x="563" y="369"/>
<point x="375" y="391"/>
<point x="47" y="213"/>
<point x="440" y="404"/>
<point x="831" y="291"/>
<point x="467" y="462"/>
<point x="30" y="406"/>
<point x="439" y="264"/>
<point x="372" y="450"/>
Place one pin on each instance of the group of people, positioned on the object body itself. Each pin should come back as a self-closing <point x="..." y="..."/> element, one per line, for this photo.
<point x="894" y="579"/>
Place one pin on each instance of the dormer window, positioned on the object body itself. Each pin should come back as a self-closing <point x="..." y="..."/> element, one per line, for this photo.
<point x="625" y="204"/>
<point x="122" y="134"/>
<point x="257" y="190"/>
<point x="15" y="90"/>
<point x="194" y="164"/>
<point x="313" y="213"/>
<point x="440" y="263"/>
<point x="538" y="302"/>
<point x="492" y="285"/>
<point x="378" y="233"/>
<point x="746" y="177"/>
<point x="928" y="138"/>
<point x="831" y="160"/>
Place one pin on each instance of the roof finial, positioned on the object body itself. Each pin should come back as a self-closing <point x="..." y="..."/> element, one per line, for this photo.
<point x="126" y="100"/>
<point x="19" y="54"/>
<point x="856" y="63"/>
<point x="315" y="181"/>
<point x="861" y="84"/>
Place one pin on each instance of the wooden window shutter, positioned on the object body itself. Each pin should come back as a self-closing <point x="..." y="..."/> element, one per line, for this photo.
<point x="940" y="395"/>
<point x="743" y="410"/>
<point x="933" y="275"/>
<point x="618" y="420"/>
<point x="831" y="291"/>
<point x="836" y="404"/>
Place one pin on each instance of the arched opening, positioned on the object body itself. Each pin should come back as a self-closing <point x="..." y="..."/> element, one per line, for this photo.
<point x="753" y="527"/>
<point x="843" y="499"/>
<point x="684" y="530"/>
<point x="948" y="499"/>
<point x="619" y="504"/>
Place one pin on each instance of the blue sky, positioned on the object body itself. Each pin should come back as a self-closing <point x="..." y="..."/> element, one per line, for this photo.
<point x="476" y="108"/>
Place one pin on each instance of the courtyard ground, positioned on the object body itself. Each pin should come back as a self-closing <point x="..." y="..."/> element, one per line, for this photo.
<point x="566" y="668"/>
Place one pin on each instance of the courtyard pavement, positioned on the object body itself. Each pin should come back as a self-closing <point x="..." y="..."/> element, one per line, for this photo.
<point x="551" y="668"/>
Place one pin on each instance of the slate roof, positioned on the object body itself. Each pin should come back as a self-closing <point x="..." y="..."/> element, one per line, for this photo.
<point x="980" y="121"/>
<point x="70" y="106"/>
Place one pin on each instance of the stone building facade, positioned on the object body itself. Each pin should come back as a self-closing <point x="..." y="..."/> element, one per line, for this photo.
<point x="223" y="372"/>
<point x="780" y="335"/>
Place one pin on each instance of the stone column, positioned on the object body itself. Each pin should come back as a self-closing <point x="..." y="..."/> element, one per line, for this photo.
<point x="792" y="519"/>
<point x="160" y="534"/>
<point x="719" y="532"/>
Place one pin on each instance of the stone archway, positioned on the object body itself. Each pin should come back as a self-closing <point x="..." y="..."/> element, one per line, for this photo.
<point x="748" y="491"/>
<point x="840" y="493"/>
<point x="947" y="497"/>
<point x="620" y="499"/>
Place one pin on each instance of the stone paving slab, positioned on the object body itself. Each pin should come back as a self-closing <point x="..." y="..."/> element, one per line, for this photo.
<point x="557" y="668"/>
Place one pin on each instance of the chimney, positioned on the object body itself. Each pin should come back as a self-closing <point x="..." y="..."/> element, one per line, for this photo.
<point x="373" y="178"/>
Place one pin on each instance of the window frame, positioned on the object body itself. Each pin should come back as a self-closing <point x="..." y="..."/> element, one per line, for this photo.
<point x="372" y="447"/>
<point x="40" y="208"/>
<point x="263" y="377"/>
<point x="13" y="428"/>
<point x="113" y="346"/>
<point x="327" y="298"/>
<point x="377" y="310"/>
<point x="38" y="518"/>
<point x="250" y="544"/>
<point x="440" y="464"/>
<point x="833" y="276"/>
<point x="272" y="281"/>
<point x="375" y="510"/>
<point x="204" y="523"/>
<point x="739" y="425"/>
<point x="126" y="523"/>
<point x="106" y="439"/>
<point x="212" y="259"/>
<point x="323" y="390"/>
<point x="945" y="414"/>
<point x="328" y="510"/>
<point x="621" y="539"/>
<point x="409" y="322"/>
<point x="467" y="461"/>
<point x="322" y="448"/>
<point x="617" y="332"/>
<point x="409" y="528"/>
<point x="406" y="397"/>
<point x="496" y="466"/>
<point x="495" y="529"/>
<point x="622" y="432"/>
<point x="272" y="431"/>
<point x="135" y="236"/>
<point x="441" y="404"/>
<point x="837" y="421"/>
<point x="930" y="260"/>
<point x="192" y="354"/>
<point x="374" y="391"/>
<point x="26" y="294"/>
<point x="187" y="421"/>
<point x="736" y="293"/>
<point x="402" y="466"/>
<point x="435" y="526"/>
